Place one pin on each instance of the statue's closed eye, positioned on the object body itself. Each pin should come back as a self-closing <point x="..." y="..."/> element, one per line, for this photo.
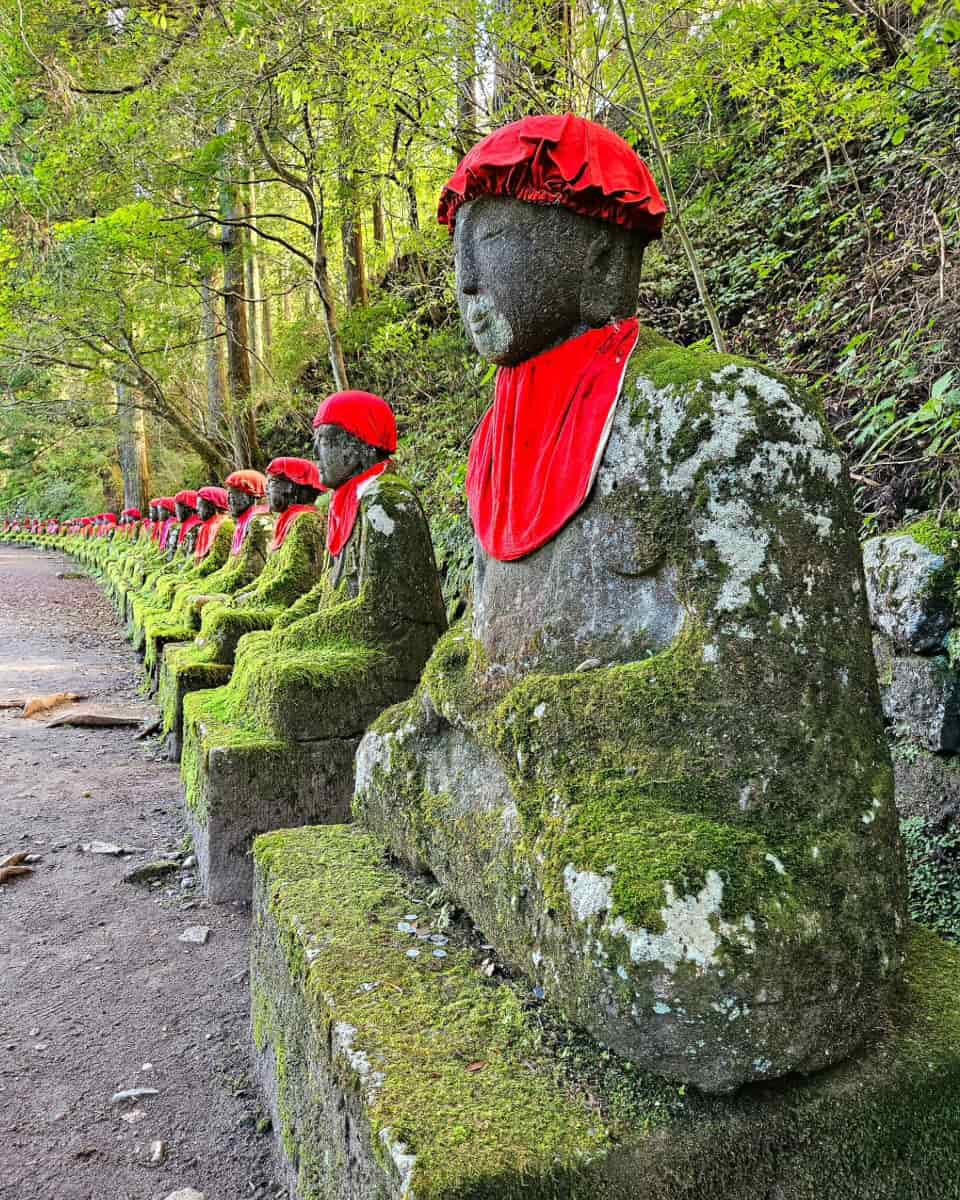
<point x="493" y="233"/>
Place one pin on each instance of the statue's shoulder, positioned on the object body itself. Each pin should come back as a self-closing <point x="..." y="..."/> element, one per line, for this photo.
<point x="686" y="412"/>
<point x="391" y="493"/>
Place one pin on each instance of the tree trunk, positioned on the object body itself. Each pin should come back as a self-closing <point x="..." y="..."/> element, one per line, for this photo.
<point x="254" y="289"/>
<point x="243" y="434"/>
<point x="212" y="357"/>
<point x="466" y="76"/>
<point x="354" y="267"/>
<point x="132" y="450"/>
<point x="379" y="222"/>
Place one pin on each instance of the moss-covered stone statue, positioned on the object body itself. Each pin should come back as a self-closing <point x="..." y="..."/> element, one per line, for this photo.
<point x="211" y="549"/>
<point x="279" y="557"/>
<point x="178" y="552"/>
<point x="652" y="765"/>
<point x="275" y="747"/>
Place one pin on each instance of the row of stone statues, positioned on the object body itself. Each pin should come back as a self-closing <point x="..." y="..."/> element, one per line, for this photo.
<point x="650" y="763"/>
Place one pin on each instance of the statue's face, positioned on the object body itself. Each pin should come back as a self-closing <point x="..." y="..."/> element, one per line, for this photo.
<point x="205" y="509"/>
<point x="280" y="493"/>
<point x="183" y="510"/>
<point x="520" y="271"/>
<point x="238" y="502"/>
<point x="341" y="455"/>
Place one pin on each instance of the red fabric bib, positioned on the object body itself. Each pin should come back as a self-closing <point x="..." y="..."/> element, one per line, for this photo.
<point x="536" y="454"/>
<point x="243" y="524"/>
<point x="285" y="523"/>
<point x="185" y="528"/>
<point x="208" y="531"/>
<point x="345" y="505"/>
<point x="165" y="531"/>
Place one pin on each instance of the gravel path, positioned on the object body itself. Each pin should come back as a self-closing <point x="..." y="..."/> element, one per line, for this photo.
<point x="97" y="994"/>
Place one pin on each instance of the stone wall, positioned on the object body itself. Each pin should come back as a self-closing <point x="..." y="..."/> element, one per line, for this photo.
<point x="912" y="589"/>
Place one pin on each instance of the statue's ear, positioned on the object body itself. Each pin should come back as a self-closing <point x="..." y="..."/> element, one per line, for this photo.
<point x="598" y="289"/>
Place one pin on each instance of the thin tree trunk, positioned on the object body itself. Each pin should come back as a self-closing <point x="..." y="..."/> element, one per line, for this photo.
<point x="132" y="450"/>
<point x="465" y="133"/>
<point x="243" y="435"/>
<point x="254" y="288"/>
<point x="379" y="221"/>
<point x="354" y="267"/>
<point x="212" y="357"/>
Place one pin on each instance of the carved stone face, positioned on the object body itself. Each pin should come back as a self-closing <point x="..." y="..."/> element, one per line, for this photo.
<point x="530" y="276"/>
<point x="280" y="493"/>
<point x="238" y="502"/>
<point x="340" y="455"/>
<point x="184" y="511"/>
<point x="205" y="509"/>
<point x="154" y="512"/>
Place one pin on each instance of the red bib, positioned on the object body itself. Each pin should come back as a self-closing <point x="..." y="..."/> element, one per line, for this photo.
<point x="538" y="449"/>
<point x="285" y="522"/>
<point x="243" y="524"/>
<point x="185" y="528"/>
<point x="346" y="504"/>
<point x="208" y="531"/>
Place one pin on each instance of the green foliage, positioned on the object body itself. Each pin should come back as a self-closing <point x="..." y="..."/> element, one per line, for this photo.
<point x="933" y="866"/>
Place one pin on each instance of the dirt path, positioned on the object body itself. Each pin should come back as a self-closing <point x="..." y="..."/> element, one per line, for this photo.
<point x="96" y="992"/>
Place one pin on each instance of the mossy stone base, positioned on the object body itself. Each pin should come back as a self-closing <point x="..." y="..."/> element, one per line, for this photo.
<point x="391" y="1076"/>
<point x="240" y="784"/>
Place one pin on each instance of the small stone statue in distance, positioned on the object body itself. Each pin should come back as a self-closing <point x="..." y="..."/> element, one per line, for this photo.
<point x="652" y="768"/>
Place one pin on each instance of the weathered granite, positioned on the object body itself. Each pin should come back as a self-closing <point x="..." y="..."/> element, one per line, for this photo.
<point x="693" y="850"/>
<point x="909" y="591"/>
<point x="921" y="697"/>
<point x="396" y="1077"/>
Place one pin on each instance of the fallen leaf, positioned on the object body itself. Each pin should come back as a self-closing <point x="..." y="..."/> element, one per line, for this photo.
<point x="101" y="718"/>
<point x="38" y="706"/>
<point x="12" y="866"/>
<point x="476" y="1066"/>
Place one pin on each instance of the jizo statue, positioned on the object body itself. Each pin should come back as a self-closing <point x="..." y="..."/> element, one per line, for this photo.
<point x="652" y="765"/>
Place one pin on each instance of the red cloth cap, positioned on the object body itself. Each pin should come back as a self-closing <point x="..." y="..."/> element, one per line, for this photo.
<point x="111" y="518"/>
<point x="254" y="483"/>
<point x="132" y="512"/>
<point x="187" y="497"/>
<point x="216" y="495"/>
<point x="366" y="416"/>
<point x="167" y="504"/>
<point x="297" y="470"/>
<point x="565" y="160"/>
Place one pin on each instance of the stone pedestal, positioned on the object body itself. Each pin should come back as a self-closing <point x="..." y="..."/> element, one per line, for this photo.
<point x="395" y="1075"/>
<point x="240" y="785"/>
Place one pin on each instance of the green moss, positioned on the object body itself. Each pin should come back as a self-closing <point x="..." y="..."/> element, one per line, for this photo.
<point x="551" y="1113"/>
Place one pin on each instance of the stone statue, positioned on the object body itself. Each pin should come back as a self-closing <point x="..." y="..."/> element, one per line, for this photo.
<point x="275" y="747"/>
<point x="651" y="766"/>
<point x="276" y="556"/>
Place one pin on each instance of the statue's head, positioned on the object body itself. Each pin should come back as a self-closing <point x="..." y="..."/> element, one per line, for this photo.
<point x="292" y="481"/>
<point x="153" y="508"/>
<point x="550" y="217"/>
<point x="185" y="504"/>
<point x="244" y="489"/>
<point x="352" y="432"/>
<point x="211" y="500"/>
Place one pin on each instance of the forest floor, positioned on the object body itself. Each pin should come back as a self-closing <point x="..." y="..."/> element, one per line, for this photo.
<point x="97" y="994"/>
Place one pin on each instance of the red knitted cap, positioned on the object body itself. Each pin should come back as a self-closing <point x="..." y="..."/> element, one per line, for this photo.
<point x="297" y="470"/>
<point x="187" y="497"/>
<point x="216" y="495"/>
<point x="254" y="483"/>
<point x="565" y="160"/>
<point x="366" y="416"/>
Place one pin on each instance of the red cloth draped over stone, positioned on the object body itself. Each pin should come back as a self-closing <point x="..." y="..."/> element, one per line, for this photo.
<point x="217" y="496"/>
<point x="565" y="160"/>
<point x="186" y="526"/>
<point x="208" y="531"/>
<point x="345" y="505"/>
<point x="538" y="448"/>
<point x="243" y="524"/>
<point x="285" y="523"/>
